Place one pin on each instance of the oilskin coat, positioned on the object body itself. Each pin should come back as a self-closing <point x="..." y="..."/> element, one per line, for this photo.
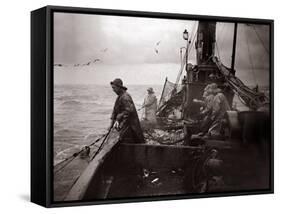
<point x="220" y="106"/>
<point x="207" y="113"/>
<point x="125" y="113"/>
<point x="150" y="107"/>
<point x="208" y="104"/>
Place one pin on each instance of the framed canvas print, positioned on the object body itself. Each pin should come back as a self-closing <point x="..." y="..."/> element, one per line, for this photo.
<point x="140" y="106"/>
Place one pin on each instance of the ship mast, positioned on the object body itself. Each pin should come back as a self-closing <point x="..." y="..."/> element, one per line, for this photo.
<point x="205" y="44"/>
<point x="234" y="47"/>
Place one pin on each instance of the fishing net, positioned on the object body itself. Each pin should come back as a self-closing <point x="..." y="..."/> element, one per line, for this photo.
<point x="171" y="99"/>
<point x="168" y="90"/>
<point x="164" y="137"/>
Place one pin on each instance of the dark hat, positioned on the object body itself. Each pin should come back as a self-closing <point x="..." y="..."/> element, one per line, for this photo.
<point x="150" y="90"/>
<point x="119" y="83"/>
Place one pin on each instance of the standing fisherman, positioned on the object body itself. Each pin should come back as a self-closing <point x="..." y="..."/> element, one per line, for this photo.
<point x="124" y="116"/>
<point x="150" y="107"/>
<point x="207" y="107"/>
<point x="219" y="108"/>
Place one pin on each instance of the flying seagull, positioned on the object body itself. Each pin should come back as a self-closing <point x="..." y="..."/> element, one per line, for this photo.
<point x="58" y="65"/>
<point x="157" y="44"/>
<point x="96" y="60"/>
<point x="86" y="64"/>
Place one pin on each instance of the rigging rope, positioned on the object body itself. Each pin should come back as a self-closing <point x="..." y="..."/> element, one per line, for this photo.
<point x="221" y="31"/>
<point x="217" y="50"/>
<point x="251" y="98"/>
<point x="181" y="68"/>
<point x="104" y="140"/>
<point x="192" y="43"/>
<point x="221" y="38"/>
<point x="74" y="155"/>
<point x="258" y="36"/>
<point x="192" y="33"/>
<point x="250" y="57"/>
<point x="183" y="63"/>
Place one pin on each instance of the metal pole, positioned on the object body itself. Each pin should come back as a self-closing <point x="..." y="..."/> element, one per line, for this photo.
<point x="234" y="46"/>
<point x="186" y="61"/>
<point x="185" y="86"/>
<point x="186" y="56"/>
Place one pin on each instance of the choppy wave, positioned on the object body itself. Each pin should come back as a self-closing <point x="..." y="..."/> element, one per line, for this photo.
<point x="63" y="154"/>
<point x="96" y="102"/>
<point x="81" y="102"/>
<point x="91" y="137"/>
<point x="71" y="102"/>
<point x="67" y="132"/>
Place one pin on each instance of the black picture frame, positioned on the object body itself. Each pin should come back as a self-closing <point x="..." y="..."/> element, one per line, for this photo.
<point x="42" y="111"/>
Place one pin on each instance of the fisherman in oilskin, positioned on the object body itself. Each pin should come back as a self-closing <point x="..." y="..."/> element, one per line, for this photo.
<point x="124" y="116"/>
<point x="150" y="107"/>
<point x="216" y="106"/>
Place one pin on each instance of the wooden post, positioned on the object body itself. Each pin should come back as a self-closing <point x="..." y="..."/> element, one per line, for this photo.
<point x="162" y="92"/>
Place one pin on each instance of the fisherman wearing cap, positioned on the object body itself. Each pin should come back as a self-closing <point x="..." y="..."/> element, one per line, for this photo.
<point x="207" y="107"/>
<point x="124" y="116"/>
<point x="219" y="108"/>
<point x="215" y="106"/>
<point x="150" y="107"/>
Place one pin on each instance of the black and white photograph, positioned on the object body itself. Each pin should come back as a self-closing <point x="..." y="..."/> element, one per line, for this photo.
<point x="149" y="107"/>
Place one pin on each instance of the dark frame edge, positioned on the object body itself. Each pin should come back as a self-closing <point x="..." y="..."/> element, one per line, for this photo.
<point x="38" y="107"/>
<point x="153" y="14"/>
<point x="49" y="106"/>
<point x="272" y="104"/>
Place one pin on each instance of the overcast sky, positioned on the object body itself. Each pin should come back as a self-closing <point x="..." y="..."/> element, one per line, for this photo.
<point x="128" y="44"/>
